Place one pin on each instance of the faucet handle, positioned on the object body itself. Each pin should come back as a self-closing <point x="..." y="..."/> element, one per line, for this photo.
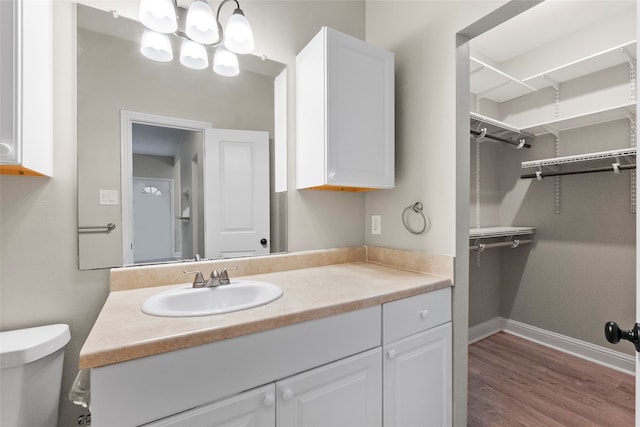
<point x="198" y="281"/>
<point x="224" y="275"/>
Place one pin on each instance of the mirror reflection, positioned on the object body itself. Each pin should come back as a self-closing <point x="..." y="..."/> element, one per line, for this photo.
<point x="151" y="139"/>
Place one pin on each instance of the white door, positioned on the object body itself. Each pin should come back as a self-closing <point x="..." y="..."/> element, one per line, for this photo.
<point x="255" y="408"/>
<point x="152" y="219"/>
<point x="236" y="188"/>
<point x="417" y="379"/>
<point x="346" y="393"/>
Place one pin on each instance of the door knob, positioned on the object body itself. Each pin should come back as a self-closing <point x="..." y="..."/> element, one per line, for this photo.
<point x="287" y="394"/>
<point x="263" y="241"/>
<point x="614" y="334"/>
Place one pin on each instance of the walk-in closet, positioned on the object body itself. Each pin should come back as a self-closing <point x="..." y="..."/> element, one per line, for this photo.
<point x="552" y="242"/>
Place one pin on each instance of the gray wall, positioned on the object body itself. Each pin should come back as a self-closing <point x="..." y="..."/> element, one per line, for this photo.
<point x="40" y="282"/>
<point x="39" y="278"/>
<point x="422" y="34"/>
<point x="580" y="272"/>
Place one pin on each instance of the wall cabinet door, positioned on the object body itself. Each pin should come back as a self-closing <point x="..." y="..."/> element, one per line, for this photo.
<point x="345" y="393"/>
<point x="249" y="409"/>
<point x="26" y="88"/>
<point x="345" y="114"/>
<point x="417" y="379"/>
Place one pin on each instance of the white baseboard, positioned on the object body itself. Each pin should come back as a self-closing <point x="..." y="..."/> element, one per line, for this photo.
<point x="486" y="329"/>
<point x="604" y="356"/>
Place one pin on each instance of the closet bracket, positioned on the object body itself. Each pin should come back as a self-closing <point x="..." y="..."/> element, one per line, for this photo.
<point x="553" y="131"/>
<point x="553" y="83"/>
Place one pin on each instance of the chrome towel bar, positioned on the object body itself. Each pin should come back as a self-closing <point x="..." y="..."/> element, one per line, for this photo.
<point x="97" y="228"/>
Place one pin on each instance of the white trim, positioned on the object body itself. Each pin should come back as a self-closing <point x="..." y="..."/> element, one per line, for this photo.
<point x="594" y="353"/>
<point x="127" y="119"/>
<point x="486" y="329"/>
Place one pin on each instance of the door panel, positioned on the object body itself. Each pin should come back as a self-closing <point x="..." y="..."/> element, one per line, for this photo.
<point x="152" y="219"/>
<point x="255" y="408"/>
<point x="236" y="208"/>
<point x="346" y="393"/>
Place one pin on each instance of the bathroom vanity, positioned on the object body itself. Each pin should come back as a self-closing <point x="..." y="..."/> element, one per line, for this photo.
<point x="355" y="342"/>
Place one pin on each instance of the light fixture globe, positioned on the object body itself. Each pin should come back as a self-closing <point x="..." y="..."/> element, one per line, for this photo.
<point x="201" y="25"/>
<point x="158" y="15"/>
<point x="193" y="55"/>
<point x="225" y="62"/>
<point x="238" y="36"/>
<point x="156" y="46"/>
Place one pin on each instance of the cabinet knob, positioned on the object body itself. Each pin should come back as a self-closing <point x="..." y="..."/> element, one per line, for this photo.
<point x="391" y="353"/>
<point x="424" y="313"/>
<point x="269" y="400"/>
<point x="287" y="394"/>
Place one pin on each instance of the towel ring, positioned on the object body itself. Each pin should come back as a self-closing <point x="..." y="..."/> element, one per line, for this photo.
<point x="416" y="208"/>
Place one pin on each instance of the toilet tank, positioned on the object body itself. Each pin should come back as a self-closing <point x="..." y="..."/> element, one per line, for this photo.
<point x="31" y="374"/>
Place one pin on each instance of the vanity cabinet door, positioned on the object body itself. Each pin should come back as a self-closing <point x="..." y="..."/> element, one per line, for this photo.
<point x="251" y="408"/>
<point x="344" y="393"/>
<point x="417" y="379"/>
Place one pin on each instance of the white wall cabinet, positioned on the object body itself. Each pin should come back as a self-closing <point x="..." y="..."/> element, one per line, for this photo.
<point x="26" y="89"/>
<point x="417" y="367"/>
<point x="345" y="119"/>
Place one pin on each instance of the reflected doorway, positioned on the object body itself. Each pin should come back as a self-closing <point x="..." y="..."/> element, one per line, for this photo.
<point x="153" y="237"/>
<point x="162" y="149"/>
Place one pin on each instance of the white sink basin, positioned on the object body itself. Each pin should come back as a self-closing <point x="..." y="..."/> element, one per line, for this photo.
<point x="189" y="301"/>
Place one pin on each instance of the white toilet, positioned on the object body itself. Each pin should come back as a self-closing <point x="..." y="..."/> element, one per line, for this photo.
<point x="30" y="375"/>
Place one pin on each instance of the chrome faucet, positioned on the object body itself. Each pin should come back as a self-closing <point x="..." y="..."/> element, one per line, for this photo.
<point x="221" y="278"/>
<point x="215" y="279"/>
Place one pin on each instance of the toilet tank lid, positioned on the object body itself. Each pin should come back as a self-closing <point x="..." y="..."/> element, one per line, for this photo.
<point x="22" y="346"/>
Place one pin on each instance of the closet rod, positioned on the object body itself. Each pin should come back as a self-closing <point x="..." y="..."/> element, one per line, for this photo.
<point x="510" y="243"/>
<point x="591" y="170"/>
<point x="497" y="138"/>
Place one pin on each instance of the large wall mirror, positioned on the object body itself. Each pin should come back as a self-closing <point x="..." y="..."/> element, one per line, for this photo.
<point x="168" y="154"/>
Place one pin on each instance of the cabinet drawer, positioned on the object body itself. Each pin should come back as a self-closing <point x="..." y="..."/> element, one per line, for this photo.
<point x="411" y="315"/>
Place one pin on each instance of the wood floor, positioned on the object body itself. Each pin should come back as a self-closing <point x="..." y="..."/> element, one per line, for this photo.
<point x="514" y="382"/>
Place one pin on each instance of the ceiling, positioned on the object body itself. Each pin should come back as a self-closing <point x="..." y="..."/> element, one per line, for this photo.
<point x="545" y="23"/>
<point x="553" y="42"/>
<point x="156" y="140"/>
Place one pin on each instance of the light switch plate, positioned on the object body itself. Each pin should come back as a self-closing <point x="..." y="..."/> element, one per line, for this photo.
<point x="108" y="197"/>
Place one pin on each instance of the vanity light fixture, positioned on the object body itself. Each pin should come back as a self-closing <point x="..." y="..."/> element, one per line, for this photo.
<point x="199" y="28"/>
<point x="156" y="46"/>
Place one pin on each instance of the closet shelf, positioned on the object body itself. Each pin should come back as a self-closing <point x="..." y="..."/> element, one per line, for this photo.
<point x="497" y="85"/>
<point x="622" y="153"/>
<point x="508" y="233"/>
<point x="499" y="231"/>
<point x="603" y="161"/>
<point x="494" y="84"/>
<point x="587" y="119"/>
<point x="589" y="64"/>
<point x="498" y="130"/>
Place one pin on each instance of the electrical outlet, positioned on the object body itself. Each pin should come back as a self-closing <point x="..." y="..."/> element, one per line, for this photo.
<point x="376" y="224"/>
